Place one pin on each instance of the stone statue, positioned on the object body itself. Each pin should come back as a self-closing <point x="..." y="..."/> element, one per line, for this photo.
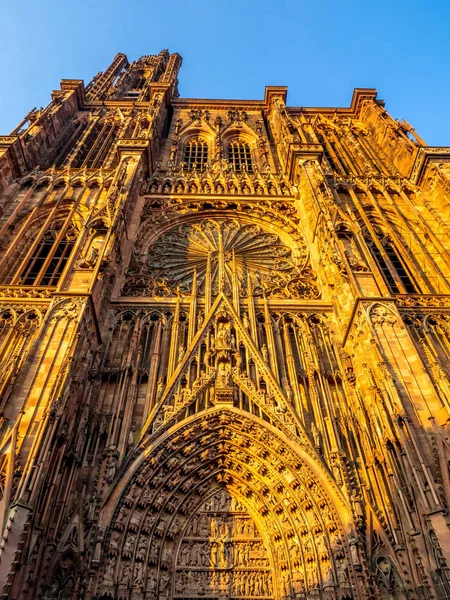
<point x="353" y="545"/>
<point x="131" y="435"/>
<point x="159" y="389"/>
<point x="112" y="467"/>
<point x="356" y="503"/>
<point x="316" y="435"/>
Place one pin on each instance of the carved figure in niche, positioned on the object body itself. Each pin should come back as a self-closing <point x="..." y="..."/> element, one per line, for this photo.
<point x="153" y="553"/>
<point x="316" y="435"/>
<point x="203" y="526"/>
<point x="207" y="359"/>
<point x="149" y="522"/>
<point x="192" y="554"/>
<point x="181" y="352"/>
<point x="265" y="353"/>
<point x="335" y="467"/>
<point x="120" y="521"/>
<point x="353" y="544"/>
<point x="223" y="374"/>
<point x="109" y="571"/>
<point x="224" y="530"/>
<point x="298" y="582"/>
<point x="164" y="581"/>
<point x="357" y="507"/>
<point x="238" y="555"/>
<point x="289" y="392"/>
<point x="125" y="572"/>
<point x="89" y="259"/>
<point x="246" y="322"/>
<point x="159" y="388"/>
<point x="233" y="341"/>
<point x="245" y="554"/>
<point x="185" y="555"/>
<point x="313" y="576"/>
<point x="321" y="545"/>
<point x="131" y="435"/>
<point x="214" y="528"/>
<point x="224" y="501"/>
<point x="223" y="336"/>
<point x="285" y="587"/>
<point x="160" y="527"/>
<point x="194" y="525"/>
<point x="342" y="571"/>
<point x="92" y="505"/>
<point x="223" y="562"/>
<point x="385" y="567"/>
<point x="129" y="545"/>
<point x="142" y="549"/>
<point x="329" y="576"/>
<point x="138" y="579"/>
<point x="214" y="554"/>
<point x="151" y="586"/>
<point x="111" y="470"/>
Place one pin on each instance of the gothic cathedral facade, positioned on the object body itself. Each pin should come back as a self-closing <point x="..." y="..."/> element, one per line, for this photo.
<point x="224" y="348"/>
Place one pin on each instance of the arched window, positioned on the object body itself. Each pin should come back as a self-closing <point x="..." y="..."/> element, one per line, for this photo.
<point x="50" y="256"/>
<point x="394" y="268"/>
<point x="195" y="154"/>
<point x="239" y="156"/>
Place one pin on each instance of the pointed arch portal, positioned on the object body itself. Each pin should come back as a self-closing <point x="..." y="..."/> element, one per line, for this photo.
<point x="223" y="505"/>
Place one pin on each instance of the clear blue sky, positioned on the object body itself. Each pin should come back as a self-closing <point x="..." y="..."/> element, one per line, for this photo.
<point x="320" y="49"/>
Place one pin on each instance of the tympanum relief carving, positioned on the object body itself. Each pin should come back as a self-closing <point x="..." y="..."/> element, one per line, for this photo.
<point x="222" y="552"/>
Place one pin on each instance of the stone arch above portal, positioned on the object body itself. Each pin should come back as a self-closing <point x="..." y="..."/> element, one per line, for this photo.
<point x="300" y="512"/>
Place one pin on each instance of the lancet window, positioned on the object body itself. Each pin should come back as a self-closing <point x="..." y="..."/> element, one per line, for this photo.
<point x="47" y="262"/>
<point x="41" y="262"/>
<point x="392" y="266"/>
<point x="239" y="156"/>
<point x="96" y="146"/>
<point x="196" y="154"/>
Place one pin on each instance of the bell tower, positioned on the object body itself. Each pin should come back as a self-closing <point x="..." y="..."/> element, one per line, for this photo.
<point x="224" y="347"/>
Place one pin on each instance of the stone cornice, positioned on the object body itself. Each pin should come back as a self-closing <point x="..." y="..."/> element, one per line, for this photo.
<point x="301" y="151"/>
<point x="425" y="156"/>
<point x="427" y="301"/>
<point x="359" y="95"/>
<point x="76" y="85"/>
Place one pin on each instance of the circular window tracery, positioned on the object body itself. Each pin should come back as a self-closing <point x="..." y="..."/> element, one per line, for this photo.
<point x="221" y="254"/>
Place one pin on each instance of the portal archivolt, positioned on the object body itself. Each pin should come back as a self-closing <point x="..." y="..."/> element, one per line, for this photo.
<point x="223" y="505"/>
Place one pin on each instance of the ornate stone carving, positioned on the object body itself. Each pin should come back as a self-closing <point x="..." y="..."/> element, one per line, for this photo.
<point x="223" y="253"/>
